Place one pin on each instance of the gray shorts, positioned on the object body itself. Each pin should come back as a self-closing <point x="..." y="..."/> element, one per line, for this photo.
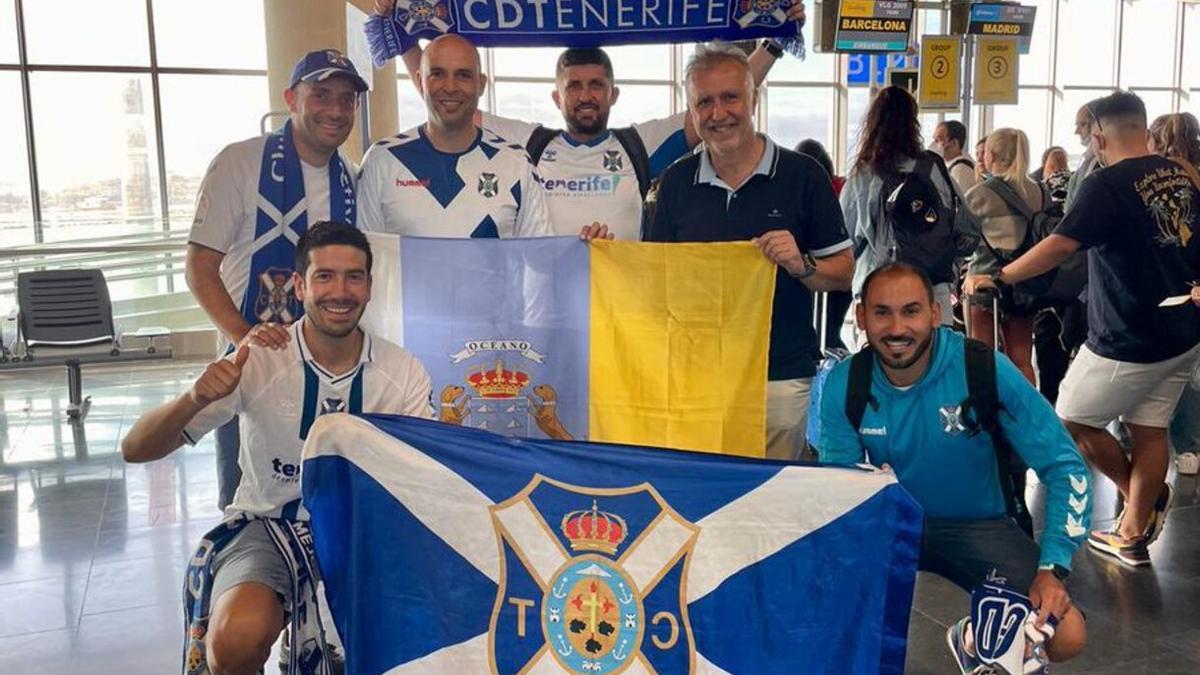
<point x="964" y="552"/>
<point x="252" y="557"/>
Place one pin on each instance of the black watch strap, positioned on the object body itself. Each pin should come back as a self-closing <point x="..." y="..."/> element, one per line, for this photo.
<point x="773" y="48"/>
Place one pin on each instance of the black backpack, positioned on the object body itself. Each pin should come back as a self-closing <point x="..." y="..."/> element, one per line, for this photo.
<point x="626" y="136"/>
<point x="913" y="225"/>
<point x="1060" y="285"/>
<point x="980" y="412"/>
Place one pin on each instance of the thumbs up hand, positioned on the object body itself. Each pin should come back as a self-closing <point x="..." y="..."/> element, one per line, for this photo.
<point x="220" y="378"/>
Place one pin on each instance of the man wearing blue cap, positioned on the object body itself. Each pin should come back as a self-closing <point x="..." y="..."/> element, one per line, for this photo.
<point x="258" y="197"/>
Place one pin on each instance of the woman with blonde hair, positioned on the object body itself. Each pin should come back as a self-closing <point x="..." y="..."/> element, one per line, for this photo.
<point x="1176" y="136"/>
<point x="1003" y="228"/>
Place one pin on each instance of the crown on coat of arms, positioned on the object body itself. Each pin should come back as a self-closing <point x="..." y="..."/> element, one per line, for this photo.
<point x="594" y="530"/>
<point x="499" y="382"/>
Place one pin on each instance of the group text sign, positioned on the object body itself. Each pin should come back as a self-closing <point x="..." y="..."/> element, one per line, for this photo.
<point x="576" y="22"/>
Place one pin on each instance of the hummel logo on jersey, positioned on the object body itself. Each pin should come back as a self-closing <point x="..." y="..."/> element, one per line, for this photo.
<point x="285" y="472"/>
<point x="489" y="185"/>
<point x="612" y="160"/>
<point x="774" y="213"/>
<point x="412" y="182"/>
<point x="873" y="431"/>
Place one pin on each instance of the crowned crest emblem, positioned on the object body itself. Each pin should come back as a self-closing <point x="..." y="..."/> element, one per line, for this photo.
<point x="489" y="185"/>
<point x="613" y="161"/>
<point x="589" y="583"/>
<point x="769" y="13"/>
<point x="952" y="419"/>
<point x="418" y="15"/>
<point x="275" y="302"/>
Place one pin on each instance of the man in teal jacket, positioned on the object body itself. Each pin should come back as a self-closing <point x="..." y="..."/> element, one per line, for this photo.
<point x="916" y="427"/>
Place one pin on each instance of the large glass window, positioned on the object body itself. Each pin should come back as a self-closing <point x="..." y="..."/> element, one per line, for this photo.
<point x="412" y="106"/>
<point x="527" y="101"/>
<point x="8" y="34"/>
<point x="797" y="113"/>
<point x="16" y="209"/>
<point x="638" y="103"/>
<point x="112" y="32"/>
<point x="184" y="33"/>
<point x="1087" y="32"/>
<point x="635" y="62"/>
<point x="1148" y="46"/>
<point x="94" y="183"/>
<point x="1035" y="66"/>
<point x="201" y="115"/>
<point x="1031" y="116"/>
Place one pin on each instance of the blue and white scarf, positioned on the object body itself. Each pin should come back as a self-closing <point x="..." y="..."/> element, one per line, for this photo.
<point x="309" y="653"/>
<point x="580" y="23"/>
<point x="281" y="219"/>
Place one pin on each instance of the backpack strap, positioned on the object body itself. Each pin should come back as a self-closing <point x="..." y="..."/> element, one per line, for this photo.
<point x="1005" y="191"/>
<point x="632" y="142"/>
<point x="961" y="159"/>
<point x="983" y="403"/>
<point x="858" y="389"/>
<point x="1190" y="170"/>
<point x="538" y="140"/>
<point x="937" y="161"/>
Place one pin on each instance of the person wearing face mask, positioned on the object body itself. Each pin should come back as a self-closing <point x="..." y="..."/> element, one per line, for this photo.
<point x="1090" y="162"/>
<point x="949" y="141"/>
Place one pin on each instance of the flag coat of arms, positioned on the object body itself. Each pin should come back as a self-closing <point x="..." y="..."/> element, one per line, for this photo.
<point x="555" y="338"/>
<point x="452" y="550"/>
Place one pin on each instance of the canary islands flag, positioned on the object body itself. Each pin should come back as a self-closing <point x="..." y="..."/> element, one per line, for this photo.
<point x="452" y="550"/>
<point x="629" y="342"/>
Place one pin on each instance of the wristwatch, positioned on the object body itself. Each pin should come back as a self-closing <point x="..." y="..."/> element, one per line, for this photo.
<point x="773" y="47"/>
<point x="999" y="283"/>
<point x="810" y="266"/>
<point x="1061" y="573"/>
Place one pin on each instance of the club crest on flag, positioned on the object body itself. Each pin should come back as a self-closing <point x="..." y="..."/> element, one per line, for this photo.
<point x="769" y="13"/>
<point x="593" y="580"/>
<point x="419" y="15"/>
<point x="275" y="301"/>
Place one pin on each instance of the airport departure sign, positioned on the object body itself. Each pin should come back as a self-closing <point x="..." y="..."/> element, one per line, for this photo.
<point x="996" y="19"/>
<point x="873" y="26"/>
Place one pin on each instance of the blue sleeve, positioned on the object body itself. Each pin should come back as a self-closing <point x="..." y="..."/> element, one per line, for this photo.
<point x="1037" y="435"/>
<point x="839" y="442"/>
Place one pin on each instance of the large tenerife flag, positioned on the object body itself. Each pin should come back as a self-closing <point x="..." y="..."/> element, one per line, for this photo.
<point x="451" y="550"/>
<point x="625" y="342"/>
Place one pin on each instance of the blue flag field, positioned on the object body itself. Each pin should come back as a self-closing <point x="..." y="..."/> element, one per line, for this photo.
<point x="447" y="549"/>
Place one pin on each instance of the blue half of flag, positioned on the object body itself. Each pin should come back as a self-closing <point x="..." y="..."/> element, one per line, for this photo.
<point x="454" y="550"/>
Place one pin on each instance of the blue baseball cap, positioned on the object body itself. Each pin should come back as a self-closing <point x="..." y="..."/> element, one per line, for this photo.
<point x="320" y="65"/>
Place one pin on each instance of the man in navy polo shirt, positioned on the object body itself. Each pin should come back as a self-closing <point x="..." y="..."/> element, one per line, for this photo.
<point x="743" y="186"/>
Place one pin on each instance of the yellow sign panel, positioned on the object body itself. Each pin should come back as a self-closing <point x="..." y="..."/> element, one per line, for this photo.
<point x="941" y="56"/>
<point x="996" y="63"/>
<point x="863" y="8"/>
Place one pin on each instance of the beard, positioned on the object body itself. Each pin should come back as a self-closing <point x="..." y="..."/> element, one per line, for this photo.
<point x="901" y="362"/>
<point x="589" y="127"/>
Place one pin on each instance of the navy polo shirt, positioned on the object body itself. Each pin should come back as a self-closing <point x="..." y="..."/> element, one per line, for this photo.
<point x="787" y="191"/>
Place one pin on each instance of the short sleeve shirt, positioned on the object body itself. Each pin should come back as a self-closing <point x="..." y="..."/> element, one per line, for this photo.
<point x="1137" y="219"/>
<point x="788" y="191"/>
<point x="227" y="210"/>
<point x="283" y="391"/>
<point x="596" y="181"/>
<point x="408" y="187"/>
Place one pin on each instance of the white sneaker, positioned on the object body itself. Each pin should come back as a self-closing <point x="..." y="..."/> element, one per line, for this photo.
<point x="1188" y="463"/>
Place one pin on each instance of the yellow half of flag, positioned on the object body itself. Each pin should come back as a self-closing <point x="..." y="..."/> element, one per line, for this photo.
<point x="679" y="336"/>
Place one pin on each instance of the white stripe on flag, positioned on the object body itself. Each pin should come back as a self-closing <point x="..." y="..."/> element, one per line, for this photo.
<point x="454" y="510"/>
<point x="465" y="657"/>
<point x="656" y="548"/>
<point x="384" y="315"/>
<point x="794" y="503"/>
<point x="546" y="665"/>
<point x="536" y="544"/>
<point x="706" y="667"/>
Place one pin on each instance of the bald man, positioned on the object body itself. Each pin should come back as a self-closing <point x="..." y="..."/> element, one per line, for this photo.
<point x="448" y="177"/>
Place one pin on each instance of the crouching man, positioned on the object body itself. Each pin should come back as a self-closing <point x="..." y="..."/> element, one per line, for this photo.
<point x="944" y="415"/>
<point x="254" y="572"/>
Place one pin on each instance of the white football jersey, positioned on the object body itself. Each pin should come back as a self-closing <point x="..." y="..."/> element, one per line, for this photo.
<point x="596" y="181"/>
<point x="283" y="391"/>
<point x="408" y="187"/>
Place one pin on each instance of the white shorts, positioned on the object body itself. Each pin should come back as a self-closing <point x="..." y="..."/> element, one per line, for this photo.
<point x="1097" y="390"/>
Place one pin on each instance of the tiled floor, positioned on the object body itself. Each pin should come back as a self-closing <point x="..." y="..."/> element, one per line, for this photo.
<point x="92" y="550"/>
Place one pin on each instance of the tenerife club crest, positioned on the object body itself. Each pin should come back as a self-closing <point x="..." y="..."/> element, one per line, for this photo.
<point x="275" y="301"/>
<point x="591" y="581"/>
<point x="418" y="15"/>
<point x="612" y="160"/>
<point x="489" y="185"/>
<point x="770" y="13"/>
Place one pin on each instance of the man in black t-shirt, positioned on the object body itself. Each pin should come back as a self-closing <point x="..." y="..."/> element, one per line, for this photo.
<point x="1136" y="217"/>
<point x="741" y="186"/>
